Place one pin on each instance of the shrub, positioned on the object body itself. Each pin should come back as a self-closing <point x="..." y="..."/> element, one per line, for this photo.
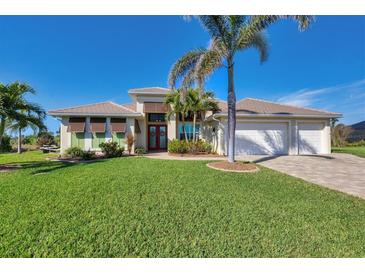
<point x="182" y="146"/>
<point x="360" y="143"/>
<point x="88" y="155"/>
<point x="178" y="146"/>
<point x="45" y="139"/>
<point x="5" y="144"/>
<point x="74" y="152"/>
<point x="140" y="151"/>
<point x="111" y="149"/>
<point x="30" y="140"/>
<point x="200" y="146"/>
<point x="57" y="140"/>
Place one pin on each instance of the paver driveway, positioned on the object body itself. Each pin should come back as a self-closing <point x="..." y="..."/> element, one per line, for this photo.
<point x="342" y="172"/>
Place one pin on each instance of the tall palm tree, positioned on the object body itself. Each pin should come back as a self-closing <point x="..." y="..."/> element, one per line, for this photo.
<point x="229" y="35"/>
<point x="199" y="102"/>
<point x="178" y="107"/>
<point x="15" y="108"/>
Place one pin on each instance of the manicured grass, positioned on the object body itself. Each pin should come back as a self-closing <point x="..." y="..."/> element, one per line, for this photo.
<point x="32" y="156"/>
<point x="358" y="151"/>
<point x="139" y="207"/>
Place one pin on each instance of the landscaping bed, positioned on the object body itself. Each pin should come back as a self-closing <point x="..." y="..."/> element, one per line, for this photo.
<point x="233" y="167"/>
<point x="197" y="154"/>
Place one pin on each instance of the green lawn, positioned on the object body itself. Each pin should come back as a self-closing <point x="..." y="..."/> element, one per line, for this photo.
<point x="27" y="157"/>
<point x="358" y="151"/>
<point x="139" y="207"/>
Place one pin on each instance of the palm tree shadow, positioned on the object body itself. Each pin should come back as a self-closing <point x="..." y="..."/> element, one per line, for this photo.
<point x="47" y="168"/>
<point x="42" y="167"/>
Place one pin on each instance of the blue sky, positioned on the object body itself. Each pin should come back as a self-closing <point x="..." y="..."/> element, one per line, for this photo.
<point x="79" y="60"/>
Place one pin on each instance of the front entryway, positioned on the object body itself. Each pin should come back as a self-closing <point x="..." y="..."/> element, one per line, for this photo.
<point x="157" y="137"/>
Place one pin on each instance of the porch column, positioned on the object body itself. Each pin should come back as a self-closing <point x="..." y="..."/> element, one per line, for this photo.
<point x="88" y="134"/>
<point x="130" y="131"/>
<point x="108" y="134"/>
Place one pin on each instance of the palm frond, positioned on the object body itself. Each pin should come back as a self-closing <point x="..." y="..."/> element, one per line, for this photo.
<point x="236" y="22"/>
<point x="208" y="63"/>
<point x="256" y="40"/>
<point x="218" y="27"/>
<point x="261" y="22"/>
<point x="183" y="65"/>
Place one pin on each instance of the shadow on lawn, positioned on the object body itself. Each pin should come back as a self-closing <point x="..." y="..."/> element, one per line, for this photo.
<point x="42" y="167"/>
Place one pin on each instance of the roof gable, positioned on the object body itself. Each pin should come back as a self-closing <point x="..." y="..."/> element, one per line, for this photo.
<point x="149" y="90"/>
<point x="258" y="106"/>
<point x="104" y="108"/>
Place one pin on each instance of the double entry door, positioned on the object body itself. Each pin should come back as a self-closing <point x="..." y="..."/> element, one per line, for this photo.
<point x="157" y="137"/>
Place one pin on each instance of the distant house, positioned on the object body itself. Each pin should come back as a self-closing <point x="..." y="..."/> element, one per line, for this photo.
<point x="263" y="128"/>
<point x="358" y="132"/>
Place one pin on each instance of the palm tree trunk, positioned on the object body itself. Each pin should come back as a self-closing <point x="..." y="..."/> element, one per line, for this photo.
<point x="194" y="123"/>
<point x="2" y="129"/>
<point x="19" y="140"/>
<point x="184" y="126"/>
<point x="231" y="111"/>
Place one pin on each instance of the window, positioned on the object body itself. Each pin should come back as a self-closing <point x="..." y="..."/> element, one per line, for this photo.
<point x="98" y="138"/>
<point x="77" y="139"/>
<point x="156" y="117"/>
<point x="189" y="131"/>
<point x="119" y="137"/>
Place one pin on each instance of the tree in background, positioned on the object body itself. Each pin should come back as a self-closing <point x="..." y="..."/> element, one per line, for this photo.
<point x="17" y="111"/>
<point x="339" y="135"/>
<point x="45" y="139"/>
<point x="229" y="35"/>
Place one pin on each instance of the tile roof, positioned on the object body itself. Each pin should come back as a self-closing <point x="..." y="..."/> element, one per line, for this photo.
<point x="98" y="108"/>
<point x="131" y="106"/>
<point x="257" y="106"/>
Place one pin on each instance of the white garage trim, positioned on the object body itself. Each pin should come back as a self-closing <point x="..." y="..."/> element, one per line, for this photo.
<point x="311" y="137"/>
<point x="262" y="137"/>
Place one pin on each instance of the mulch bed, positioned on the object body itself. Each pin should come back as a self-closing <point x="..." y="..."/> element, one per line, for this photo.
<point x="8" y="168"/>
<point x="235" y="167"/>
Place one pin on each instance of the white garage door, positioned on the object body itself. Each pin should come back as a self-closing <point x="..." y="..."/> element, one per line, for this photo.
<point x="261" y="138"/>
<point x="310" y="138"/>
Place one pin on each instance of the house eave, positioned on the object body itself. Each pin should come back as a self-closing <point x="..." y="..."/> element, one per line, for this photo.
<point x="246" y="115"/>
<point x="76" y="114"/>
<point x="154" y="93"/>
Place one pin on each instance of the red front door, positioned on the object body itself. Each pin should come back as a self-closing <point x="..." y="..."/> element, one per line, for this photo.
<point x="157" y="137"/>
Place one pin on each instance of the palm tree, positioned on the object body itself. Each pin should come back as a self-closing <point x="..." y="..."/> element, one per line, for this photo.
<point x="199" y="102"/>
<point x="229" y="35"/>
<point x="177" y="107"/>
<point x="33" y="119"/>
<point x="15" y="109"/>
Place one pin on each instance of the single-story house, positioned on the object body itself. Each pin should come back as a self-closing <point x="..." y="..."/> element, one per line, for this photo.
<point x="263" y="128"/>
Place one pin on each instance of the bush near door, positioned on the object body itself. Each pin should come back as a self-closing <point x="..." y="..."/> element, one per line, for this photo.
<point x="193" y="147"/>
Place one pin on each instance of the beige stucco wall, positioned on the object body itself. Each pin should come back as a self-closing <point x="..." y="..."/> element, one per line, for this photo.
<point x="65" y="137"/>
<point x="130" y="130"/>
<point x="171" y="128"/>
<point x="141" y="137"/>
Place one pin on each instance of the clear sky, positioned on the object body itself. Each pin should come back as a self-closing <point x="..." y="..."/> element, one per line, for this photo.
<point x="80" y="60"/>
